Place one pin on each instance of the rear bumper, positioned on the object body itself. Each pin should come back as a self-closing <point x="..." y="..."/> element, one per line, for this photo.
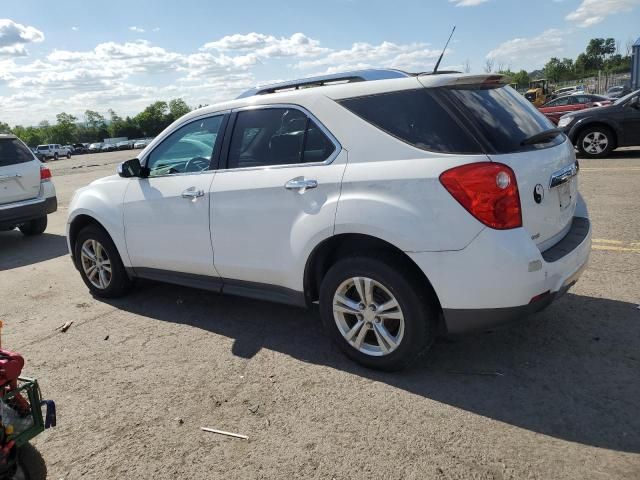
<point x="502" y="276"/>
<point x="21" y="212"/>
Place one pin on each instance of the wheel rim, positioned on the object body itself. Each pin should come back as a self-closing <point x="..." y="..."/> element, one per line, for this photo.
<point x="96" y="264"/>
<point x="368" y="316"/>
<point x="595" y="142"/>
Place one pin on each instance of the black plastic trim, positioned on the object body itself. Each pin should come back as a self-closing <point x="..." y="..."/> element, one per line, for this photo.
<point x="11" y="217"/>
<point x="259" y="291"/>
<point x="574" y="237"/>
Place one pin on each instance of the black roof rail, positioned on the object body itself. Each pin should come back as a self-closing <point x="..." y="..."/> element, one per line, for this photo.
<point x="344" y="77"/>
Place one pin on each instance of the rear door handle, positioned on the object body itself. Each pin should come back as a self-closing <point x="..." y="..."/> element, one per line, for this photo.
<point x="301" y="184"/>
<point x="192" y="194"/>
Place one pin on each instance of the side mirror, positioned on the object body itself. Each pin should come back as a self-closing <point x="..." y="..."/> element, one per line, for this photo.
<point x="130" y="168"/>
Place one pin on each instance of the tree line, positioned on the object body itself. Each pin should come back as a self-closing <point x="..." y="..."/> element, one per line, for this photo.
<point x="601" y="55"/>
<point x="96" y="127"/>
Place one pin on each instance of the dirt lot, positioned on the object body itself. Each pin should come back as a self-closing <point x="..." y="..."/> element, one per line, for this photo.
<point x="563" y="402"/>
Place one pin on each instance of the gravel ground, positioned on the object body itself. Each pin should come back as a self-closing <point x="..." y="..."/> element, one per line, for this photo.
<point x="554" y="397"/>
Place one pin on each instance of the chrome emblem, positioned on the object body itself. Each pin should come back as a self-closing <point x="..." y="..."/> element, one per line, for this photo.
<point x="538" y="193"/>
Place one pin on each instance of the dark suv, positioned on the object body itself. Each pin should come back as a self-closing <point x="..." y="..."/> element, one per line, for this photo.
<point x="598" y="131"/>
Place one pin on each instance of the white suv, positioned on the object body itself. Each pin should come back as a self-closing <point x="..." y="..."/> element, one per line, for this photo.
<point x="52" y="150"/>
<point x="27" y="194"/>
<point x="406" y="206"/>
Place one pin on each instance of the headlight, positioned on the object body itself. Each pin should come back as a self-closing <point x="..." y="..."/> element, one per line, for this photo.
<point x="564" y="121"/>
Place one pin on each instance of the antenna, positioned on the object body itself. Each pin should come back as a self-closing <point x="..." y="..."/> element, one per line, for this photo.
<point x="435" y="69"/>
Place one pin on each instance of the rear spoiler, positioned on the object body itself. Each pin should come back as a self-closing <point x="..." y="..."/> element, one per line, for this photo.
<point x="488" y="79"/>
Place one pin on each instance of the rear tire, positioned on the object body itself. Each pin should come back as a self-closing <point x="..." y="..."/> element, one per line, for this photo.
<point x="55" y="156"/>
<point x="68" y="154"/>
<point x="407" y="331"/>
<point x="34" y="227"/>
<point x="596" y="142"/>
<point x="109" y="278"/>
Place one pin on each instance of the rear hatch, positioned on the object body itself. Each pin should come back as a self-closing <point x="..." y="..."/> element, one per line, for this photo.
<point x="545" y="167"/>
<point x="19" y="171"/>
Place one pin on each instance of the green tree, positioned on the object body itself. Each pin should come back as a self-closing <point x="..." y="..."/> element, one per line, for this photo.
<point x="64" y="131"/>
<point x="96" y="127"/>
<point x="116" y="124"/>
<point x="521" y="78"/>
<point x="153" y="119"/>
<point x="5" y="128"/>
<point x="178" y="108"/>
<point x="32" y="136"/>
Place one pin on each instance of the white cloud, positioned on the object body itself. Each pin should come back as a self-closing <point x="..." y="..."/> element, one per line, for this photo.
<point x="591" y="12"/>
<point x="268" y="46"/>
<point x="531" y="49"/>
<point x="14" y="36"/>
<point x="75" y="29"/>
<point x="412" y="56"/>
<point x="467" y="3"/>
<point x="137" y="29"/>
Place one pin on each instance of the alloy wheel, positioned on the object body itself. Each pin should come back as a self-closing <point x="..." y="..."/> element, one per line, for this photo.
<point x="595" y="143"/>
<point x="368" y="316"/>
<point x="96" y="264"/>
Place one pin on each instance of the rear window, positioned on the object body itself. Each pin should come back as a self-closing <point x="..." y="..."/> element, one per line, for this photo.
<point x="503" y="117"/>
<point x="13" y="151"/>
<point x="415" y="117"/>
<point x="465" y="119"/>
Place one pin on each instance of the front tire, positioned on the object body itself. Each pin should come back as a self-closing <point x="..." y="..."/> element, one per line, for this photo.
<point x="34" y="227"/>
<point x="379" y="317"/>
<point x="55" y="156"/>
<point x="596" y="142"/>
<point x="99" y="263"/>
<point x="68" y="154"/>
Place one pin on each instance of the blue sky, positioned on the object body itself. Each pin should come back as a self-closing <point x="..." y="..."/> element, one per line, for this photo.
<point x="75" y="55"/>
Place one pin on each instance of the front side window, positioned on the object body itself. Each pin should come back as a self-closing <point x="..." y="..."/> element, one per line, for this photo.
<point x="187" y="150"/>
<point x="276" y="136"/>
<point x="560" y="102"/>
<point x="13" y="151"/>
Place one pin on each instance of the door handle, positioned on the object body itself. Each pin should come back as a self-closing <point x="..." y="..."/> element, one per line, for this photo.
<point x="301" y="184"/>
<point x="192" y="194"/>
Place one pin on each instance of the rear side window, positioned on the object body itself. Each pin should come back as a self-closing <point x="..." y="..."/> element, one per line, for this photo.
<point x="503" y="117"/>
<point x="415" y="117"/>
<point x="277" y="136"/>
<point x="13" y="151"/>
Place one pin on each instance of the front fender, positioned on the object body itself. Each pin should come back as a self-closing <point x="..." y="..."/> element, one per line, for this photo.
<point x="103" y="202"/>
<point x="586" y="122"/>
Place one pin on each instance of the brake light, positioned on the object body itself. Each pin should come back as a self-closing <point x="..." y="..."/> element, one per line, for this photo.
<point x="488" y="191"/>
<point x="45" y="173"/>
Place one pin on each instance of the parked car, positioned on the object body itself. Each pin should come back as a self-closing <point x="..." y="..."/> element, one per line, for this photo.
<point x="141" y="143"/>
<point x="560" y="92"/>
<point x="456" y="208"/>
<point x="52" y="150"/>
<point x="79" y="148"/>
<point x="124" y="145"/>
<point x="108" y="147"/>
<point x="597" y="131"/>
<point x="554" y="109"/>
<point x="618" y="91"/>
<point x="27" y="194"/>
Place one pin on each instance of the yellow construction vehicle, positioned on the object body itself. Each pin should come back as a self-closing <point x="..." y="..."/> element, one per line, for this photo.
<point x="538" y="92"/>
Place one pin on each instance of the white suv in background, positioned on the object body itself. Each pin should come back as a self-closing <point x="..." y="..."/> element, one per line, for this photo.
<point x="405" y="205"/>
<point x="27" y="194"/>
<point x="52" y="150"/>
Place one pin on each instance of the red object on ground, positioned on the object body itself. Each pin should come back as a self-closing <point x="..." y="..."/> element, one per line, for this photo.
<point x="11" y="364"/>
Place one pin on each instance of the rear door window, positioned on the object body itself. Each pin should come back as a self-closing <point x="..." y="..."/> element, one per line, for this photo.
<point x="415" y="117"/>
<point x="13" y="151"/>
<point x="277" y="136"/>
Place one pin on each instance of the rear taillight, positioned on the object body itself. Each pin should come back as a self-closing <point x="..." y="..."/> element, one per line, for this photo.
<point x="45" y="173"/>
<point x="489" y="192"/>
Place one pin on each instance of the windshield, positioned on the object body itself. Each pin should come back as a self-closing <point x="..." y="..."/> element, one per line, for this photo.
<point x="625" y="98"/>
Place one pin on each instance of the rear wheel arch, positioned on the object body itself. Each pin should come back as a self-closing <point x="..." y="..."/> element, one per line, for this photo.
<point x="329" y="251"/>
